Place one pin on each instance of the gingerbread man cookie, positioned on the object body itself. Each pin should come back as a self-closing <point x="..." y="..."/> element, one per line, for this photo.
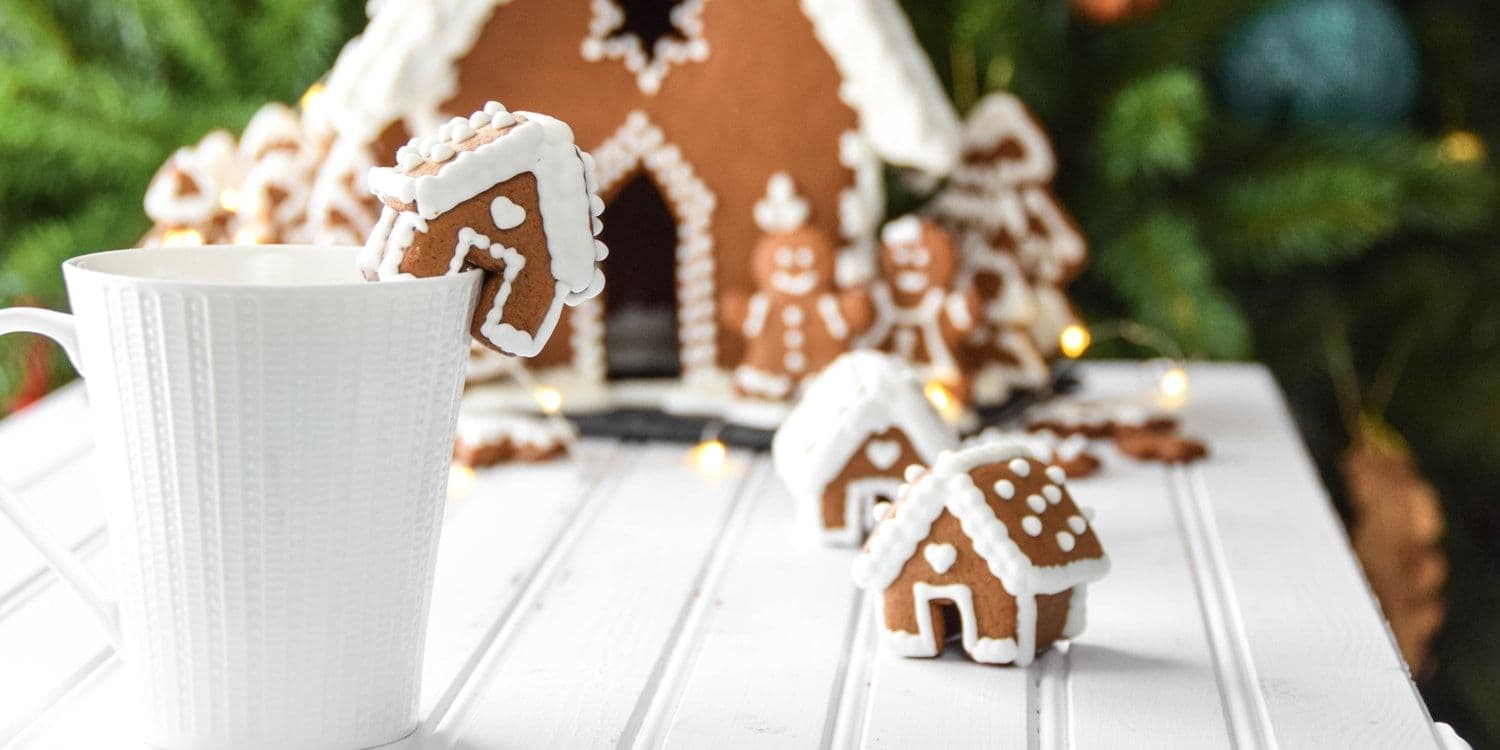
<point x="507" y="193"/>
<point x="797" y="321"/>
<point x="918" y="315"/>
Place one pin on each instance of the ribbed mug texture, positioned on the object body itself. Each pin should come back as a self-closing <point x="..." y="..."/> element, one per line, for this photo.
<point x="278" y="458"/>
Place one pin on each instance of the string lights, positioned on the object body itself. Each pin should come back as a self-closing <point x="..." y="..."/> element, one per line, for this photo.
<point x="1171" y="379"/>
<point x="944" y="401"/>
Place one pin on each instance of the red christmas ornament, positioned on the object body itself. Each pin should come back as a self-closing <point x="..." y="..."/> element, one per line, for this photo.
<point x="1114" y="11"/>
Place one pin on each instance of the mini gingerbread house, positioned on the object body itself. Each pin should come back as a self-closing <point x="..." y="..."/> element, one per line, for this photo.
<point x="505" y="192"/>
<point x="847" y="443"/>
<point x="689" y="106"/>
<point x="988" y="542"/>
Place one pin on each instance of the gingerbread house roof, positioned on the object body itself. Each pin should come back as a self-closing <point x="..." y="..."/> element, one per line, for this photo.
<point x="405" y="66"/>
<point x="1023" y="523"/>
<point x="863" y="393"/>
<point x="472" y="154"/>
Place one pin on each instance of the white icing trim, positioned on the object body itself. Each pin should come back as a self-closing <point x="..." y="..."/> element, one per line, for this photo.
<point x="861" y="206"/>
<point x="984" y="650"/>
<point x="540" y="145"/>
<point x="997" y="117"/>
<point x="640" y="143"/>
<point x="888" y="81"/>
<point x="859" y="395"/>
<point x="649" y="70"/>
<point x="860" y="496"/>
<point x="404" y="64"/>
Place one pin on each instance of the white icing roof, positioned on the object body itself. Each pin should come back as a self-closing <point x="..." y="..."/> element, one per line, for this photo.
<point x="949" y="486"/>
<point x="404" y="66"/>
<point x="996" y="118"/>
<point x="863" y="393"/>
<point x="566" y="192"/>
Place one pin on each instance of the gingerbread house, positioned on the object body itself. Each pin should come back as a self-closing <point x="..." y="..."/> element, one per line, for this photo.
<point x="847" y="443"/>
<point x="508" y="193"/>
<point x="689" y="107"/>
<point x="990" y="543"/>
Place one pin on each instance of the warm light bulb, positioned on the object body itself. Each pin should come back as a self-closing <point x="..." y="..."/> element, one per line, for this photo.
<point x="460" y="481"/>
<point x="247" y="236"/>
<point x="181" y="238"/>
<point x="310" y="97"/>
<point x="1462" y="147"/>
<point x="1074" y="341"/>
<point x="1173" y="383"/>
<point x="229" y="200"/>
<point x="548" y="398"/>
<point x="942" y="399"/>
<point x="710" y="457"/>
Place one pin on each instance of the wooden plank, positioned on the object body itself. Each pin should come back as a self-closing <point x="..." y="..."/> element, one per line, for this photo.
<point x="1145" y="648"/>
<point x="581" y="662"/>
<point x="494" y="541"/>
<point x="71" y="505"/>
<point x="947" y="702"/>
<point x="46" y="647"/>
<point x="765" y="665"/>
<point x="34" y="440"/>
<point x="1325" y="664"/>
<point x="496" y="533"/>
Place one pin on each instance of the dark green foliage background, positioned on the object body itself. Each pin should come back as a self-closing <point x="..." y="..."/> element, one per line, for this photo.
<point x="1301" y="245"/>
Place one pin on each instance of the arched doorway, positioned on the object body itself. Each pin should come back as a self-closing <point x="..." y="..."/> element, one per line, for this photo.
<point x="640" y="300"/>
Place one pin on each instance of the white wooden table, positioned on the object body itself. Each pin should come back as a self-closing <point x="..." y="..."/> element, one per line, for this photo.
<point x="623" y="599"/>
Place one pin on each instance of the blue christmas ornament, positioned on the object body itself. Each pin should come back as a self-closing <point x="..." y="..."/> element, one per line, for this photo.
<point x="1337" y="61"/>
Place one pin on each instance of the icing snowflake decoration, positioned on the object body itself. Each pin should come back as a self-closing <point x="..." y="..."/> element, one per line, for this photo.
<point x="623" y="29"/>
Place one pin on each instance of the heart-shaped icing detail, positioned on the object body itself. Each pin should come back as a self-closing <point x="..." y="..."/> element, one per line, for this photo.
<point x="940" y="555"/>
<point x="883" y="453"/>
<point x="506" y="213"/>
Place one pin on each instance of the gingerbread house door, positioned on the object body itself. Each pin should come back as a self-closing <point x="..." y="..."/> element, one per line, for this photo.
<point x="657" y="317"/>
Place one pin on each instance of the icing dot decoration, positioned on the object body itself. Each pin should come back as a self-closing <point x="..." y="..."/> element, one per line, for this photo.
<point x="1053" y="494"/>
<point x="1036" y="502"/>
<point x="1032" y="525"/>
<point x="1077" y="524"/>
<point x="1056" y="474"/>
<point x="1020" y="466"/>
<point x="1005" y="489"/>
<point x="1065" y="541"/>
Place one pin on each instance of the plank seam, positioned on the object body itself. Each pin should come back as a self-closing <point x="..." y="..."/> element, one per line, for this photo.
<point x="662" y="693"/>
<point x="849" y="701"/>
<point x="1048" y="698"/>
<point x="55" y="697"/>
<point x="1245" y="710"/>
<point x="488" y="650"/>
<point x="43" y="576"/>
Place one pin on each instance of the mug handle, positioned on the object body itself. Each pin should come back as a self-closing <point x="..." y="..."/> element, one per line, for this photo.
<point x="61" y="328"/>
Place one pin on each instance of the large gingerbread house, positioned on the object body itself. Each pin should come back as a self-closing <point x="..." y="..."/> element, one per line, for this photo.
<point x="989" y="542"/>
<point x="689" y="107"/>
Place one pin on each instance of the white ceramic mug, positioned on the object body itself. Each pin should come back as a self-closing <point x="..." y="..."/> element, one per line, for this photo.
<point x="278" y="433"/>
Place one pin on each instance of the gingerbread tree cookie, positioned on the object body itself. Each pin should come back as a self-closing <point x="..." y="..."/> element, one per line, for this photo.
<point x="1000" y="204"/>
<point x="918" y="314"/>
<point x="507" y="193"/>
<point x="186" y="192"/>
<point x="797" y="320"/>
<point x="993" y="538"/>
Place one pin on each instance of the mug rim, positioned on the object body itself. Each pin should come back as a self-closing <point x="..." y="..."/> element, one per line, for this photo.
<point x="79" y="265"/>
